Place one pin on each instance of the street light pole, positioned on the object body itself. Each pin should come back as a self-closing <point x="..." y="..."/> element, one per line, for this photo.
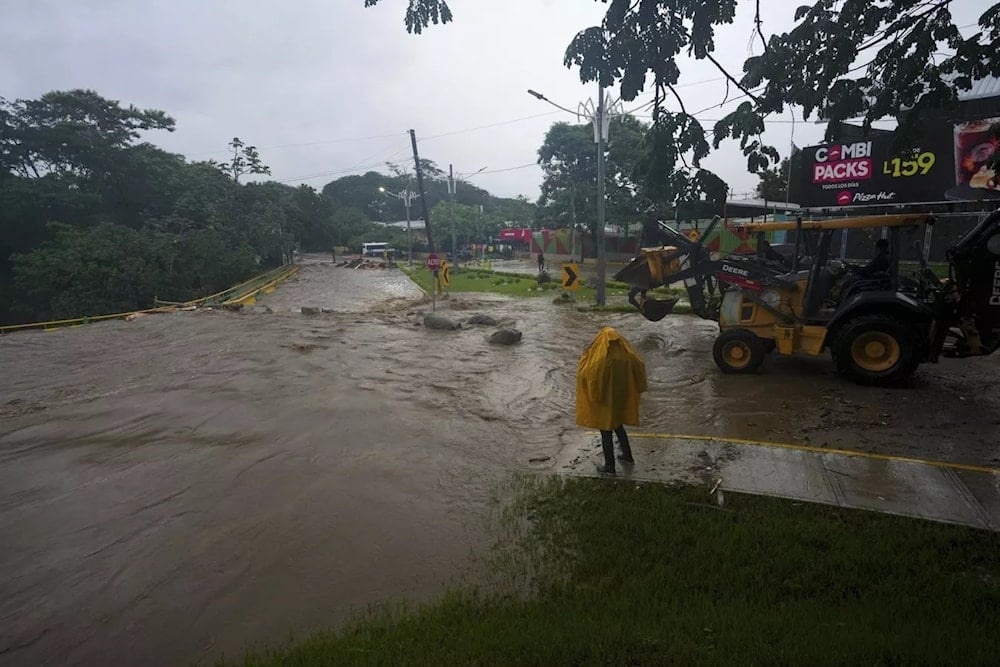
<point x="601" y="117"/>
<point x="407" y="197"/>
<point x="409" y="236"/>
<point x="602" y="265"/>
<point x="451" y="196"/>
<point x="452" y="186"/>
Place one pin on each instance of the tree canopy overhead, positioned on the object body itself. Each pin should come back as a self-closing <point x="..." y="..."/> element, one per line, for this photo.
<point x="844" y="59"/>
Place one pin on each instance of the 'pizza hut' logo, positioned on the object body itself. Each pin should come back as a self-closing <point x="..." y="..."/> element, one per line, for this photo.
<point x="844" y="198"/>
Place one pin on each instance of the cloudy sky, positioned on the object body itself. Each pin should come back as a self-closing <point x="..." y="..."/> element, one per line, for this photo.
<point x="327" y="88"/>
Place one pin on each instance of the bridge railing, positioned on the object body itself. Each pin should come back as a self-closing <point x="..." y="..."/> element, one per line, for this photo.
<point x="244" y="293"/>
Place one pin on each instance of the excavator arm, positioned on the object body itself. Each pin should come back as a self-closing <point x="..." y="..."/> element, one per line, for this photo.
<point x="688" y="262"/>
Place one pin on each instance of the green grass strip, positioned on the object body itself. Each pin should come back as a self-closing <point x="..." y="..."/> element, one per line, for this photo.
<point x="591" y="572"/>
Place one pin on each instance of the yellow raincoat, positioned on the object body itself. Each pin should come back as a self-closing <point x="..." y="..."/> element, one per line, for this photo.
<point x="610" y="377"/>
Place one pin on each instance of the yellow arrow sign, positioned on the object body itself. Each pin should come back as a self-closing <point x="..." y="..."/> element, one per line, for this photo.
<point x="571" y="276"/>
<point x="445" y="274"/>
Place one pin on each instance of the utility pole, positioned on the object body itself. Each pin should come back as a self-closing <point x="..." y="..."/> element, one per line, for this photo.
<point x="423" y="195"/>
<point x="407" y="196"/>
<point x="451" y="197"/>
<point x="602" y="264"/>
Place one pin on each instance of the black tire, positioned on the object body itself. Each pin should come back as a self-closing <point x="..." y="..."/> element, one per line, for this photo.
<point x="739" y="351"/>
<point x="876" y="350"/>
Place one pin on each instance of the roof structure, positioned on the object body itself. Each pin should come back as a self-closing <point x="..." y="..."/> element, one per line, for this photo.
<point x="981" y="89"/>
<point x="401" y="224"/>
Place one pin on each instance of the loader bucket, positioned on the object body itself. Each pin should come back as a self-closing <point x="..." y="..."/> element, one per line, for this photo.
<point x="650" y="268"/>
<point x="655" y="310"/>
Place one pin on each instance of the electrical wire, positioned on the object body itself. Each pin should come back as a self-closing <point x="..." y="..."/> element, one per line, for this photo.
<point x="485" y="127"/>
<point x="500" y="171"/>
<point x="307" y="143"/>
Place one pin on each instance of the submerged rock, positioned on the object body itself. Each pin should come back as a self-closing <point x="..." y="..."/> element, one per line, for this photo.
<point x="482" y="320"/>
<point x="439" y="322"/>
<point x="505" y="337"/>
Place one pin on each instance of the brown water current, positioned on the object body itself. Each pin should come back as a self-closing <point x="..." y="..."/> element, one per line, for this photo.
<point x="178" y="486"/>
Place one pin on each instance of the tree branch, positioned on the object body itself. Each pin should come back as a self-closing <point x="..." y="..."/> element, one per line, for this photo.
<point x="757" y="20"/>
<point x="730" y="77"/>
<point x="679" y="100"/>
<point x="683" y="111"/>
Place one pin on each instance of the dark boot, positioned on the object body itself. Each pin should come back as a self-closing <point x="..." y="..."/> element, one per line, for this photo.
<point x="626" y="455"/>
<point x="608" y="445"/>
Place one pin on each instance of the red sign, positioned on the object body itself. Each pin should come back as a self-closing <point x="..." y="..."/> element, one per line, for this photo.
<point x="433" y="263"/>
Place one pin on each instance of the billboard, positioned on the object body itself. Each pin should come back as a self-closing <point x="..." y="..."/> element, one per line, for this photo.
<point x="948" y="165"/>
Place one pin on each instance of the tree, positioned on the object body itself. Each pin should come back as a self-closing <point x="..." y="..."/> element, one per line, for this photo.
<point x="568" y="157"/>
<point x="93" y="222"/>
<point x="843" y="59"/>
<point x="69" y="133"/>
<point x="773" y="185"/>
<point x="246" y="160"/>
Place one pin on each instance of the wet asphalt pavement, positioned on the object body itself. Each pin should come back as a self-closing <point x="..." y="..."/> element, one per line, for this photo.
<point x="179" y="486"/>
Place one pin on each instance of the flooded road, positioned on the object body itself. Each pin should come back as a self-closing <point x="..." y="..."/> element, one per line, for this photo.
<point x="178" y="486"/>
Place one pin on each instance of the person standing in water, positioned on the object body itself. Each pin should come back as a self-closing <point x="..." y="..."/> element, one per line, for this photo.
<point x="610" y="379"/>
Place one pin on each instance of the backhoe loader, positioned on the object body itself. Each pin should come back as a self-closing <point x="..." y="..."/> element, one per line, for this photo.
<point x="878" y="328"/>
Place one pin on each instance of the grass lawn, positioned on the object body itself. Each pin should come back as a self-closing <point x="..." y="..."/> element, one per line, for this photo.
<point x="477" y="280"/>
<point x="514" y="284"/>
<point x="609" y="572"/>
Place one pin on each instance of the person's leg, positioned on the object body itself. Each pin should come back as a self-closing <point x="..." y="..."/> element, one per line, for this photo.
<point x="624" y="444"/>
<point x="608" y="445"/>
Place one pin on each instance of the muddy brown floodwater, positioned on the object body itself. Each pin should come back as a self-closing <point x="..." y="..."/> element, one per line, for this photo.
<point x="179" y="486"/>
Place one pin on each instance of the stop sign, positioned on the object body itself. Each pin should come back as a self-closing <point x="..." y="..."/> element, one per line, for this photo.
<point x="433" y="263"/>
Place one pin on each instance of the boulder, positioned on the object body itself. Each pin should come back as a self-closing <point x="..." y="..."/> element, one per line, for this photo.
<point x="482" y="320"/>
<point x="505" y="337"/>
<point x="439" y="322"/>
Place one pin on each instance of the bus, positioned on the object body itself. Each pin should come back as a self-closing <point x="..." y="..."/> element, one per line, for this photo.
<point x="374" y="250"/>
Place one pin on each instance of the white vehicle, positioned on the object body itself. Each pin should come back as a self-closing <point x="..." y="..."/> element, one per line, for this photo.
<point x="378" y="250"/>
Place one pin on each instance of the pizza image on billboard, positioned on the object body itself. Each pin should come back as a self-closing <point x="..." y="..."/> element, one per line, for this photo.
<point x="974" y="148"/>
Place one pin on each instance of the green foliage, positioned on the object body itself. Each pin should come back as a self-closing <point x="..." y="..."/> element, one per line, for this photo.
<point x="362" y="192"/>
<point x="245" y="160"/>
<point x="842" y="60"/>
<point x="568" y="157"/>
<point x="773" y="183"/>
<point x="92" y="222"/>
<point x="421" y="13"/>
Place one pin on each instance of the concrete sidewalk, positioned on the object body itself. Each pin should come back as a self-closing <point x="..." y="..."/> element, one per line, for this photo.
<point x="939" y="491"/>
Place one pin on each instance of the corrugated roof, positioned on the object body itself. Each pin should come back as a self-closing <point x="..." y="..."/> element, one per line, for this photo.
<point x="982" y="88"/>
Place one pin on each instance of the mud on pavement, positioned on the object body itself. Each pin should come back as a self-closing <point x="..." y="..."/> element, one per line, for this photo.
<point x="178" y="486"/>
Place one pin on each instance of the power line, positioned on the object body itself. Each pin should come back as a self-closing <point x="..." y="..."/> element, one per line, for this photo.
<point x="485" y="127"/>
<point x="500" y="171"/>
<point x="355" y="167"/>
<point x="308" y="143"/>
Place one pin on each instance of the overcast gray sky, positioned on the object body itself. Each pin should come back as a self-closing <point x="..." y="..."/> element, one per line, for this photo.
<point x="327" y="88"/>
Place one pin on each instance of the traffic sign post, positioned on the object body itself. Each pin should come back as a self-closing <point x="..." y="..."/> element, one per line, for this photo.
<point x="445" y="274"/>
<point x="570" y="277"/>
<point x="433" y="264"/>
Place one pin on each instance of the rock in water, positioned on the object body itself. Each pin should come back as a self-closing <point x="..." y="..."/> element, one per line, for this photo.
<point x="440" y="322"/>
<point x="505" y="337"/>
<point x="482" y="320"/>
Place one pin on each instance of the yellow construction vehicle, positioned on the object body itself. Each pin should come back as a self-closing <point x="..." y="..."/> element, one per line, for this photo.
<point x="878" y="325"/>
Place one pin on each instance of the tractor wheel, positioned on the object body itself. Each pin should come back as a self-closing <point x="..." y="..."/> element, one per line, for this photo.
<point x="739" y="351"/>
<point x="876" y="350"/>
